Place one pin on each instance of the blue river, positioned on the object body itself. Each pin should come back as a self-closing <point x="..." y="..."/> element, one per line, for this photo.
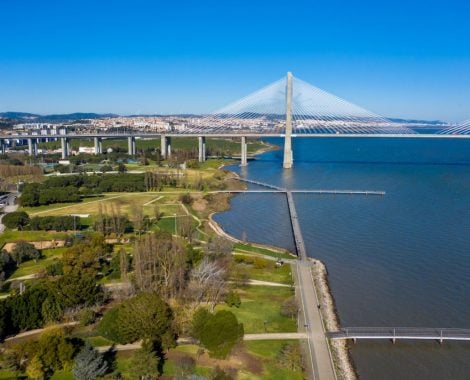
<point x="402" y="259"/>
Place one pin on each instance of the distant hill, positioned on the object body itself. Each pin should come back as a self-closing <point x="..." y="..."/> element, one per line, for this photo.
<point x="54" y="118"/>
<point x="414" y="121"/>
<point x="17" y="115"/>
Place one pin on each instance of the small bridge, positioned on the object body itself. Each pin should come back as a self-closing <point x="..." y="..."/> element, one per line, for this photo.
<point x="405" y="333"/>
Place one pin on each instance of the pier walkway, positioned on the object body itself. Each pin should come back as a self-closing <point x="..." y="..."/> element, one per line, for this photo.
<point x="394" y="333"/>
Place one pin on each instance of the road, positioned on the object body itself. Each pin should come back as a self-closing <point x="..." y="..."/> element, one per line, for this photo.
<point x="10" y="206"/>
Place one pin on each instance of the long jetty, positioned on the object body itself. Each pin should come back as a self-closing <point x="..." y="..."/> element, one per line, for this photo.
<point x="406" y="333"/>
<point x="298" y="238"/>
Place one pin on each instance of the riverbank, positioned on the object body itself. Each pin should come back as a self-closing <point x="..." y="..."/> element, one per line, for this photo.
<point x="339" y="352"/>
<point x="339" y="348"/>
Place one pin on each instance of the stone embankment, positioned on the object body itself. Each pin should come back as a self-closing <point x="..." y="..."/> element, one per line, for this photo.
<point x="339" y="349"/>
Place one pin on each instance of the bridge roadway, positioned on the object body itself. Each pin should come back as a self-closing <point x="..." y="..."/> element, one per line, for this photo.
<point x="232" y="134"/>
<point x="394" y="333"/>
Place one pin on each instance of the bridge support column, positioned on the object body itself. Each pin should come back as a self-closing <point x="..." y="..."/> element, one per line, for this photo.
<point x="98" y="145"/>
<point x="131" y="145"/>
<point x="244" y="152"/>
<point x="31" y="146"/>
<point x="3" y="146"/>
<point x="165" y="146"/>
<point x="64" y="144"/>
<point x="288" y="159"/>
<point x="202" y="148"/>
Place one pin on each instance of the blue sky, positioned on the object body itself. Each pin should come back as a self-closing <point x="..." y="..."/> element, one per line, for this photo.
<point x="399" y="59"/>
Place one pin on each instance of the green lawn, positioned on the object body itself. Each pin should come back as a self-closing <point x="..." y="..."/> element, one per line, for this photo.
<point x="13" y="235"/>
<point x="62" y="375"/>
<point x="269" y="351"/>
<point x="265" y="270"/>
<point x="7" y="374"/>
<point x="263" y="251"/>
<point x="262" y="304"/>
<point x="99" y="341"/>
<point x="32" y="266"/>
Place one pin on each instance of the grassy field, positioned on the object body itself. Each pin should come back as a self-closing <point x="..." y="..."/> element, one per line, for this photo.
<point x="260" y="309"/>
<point x="268" y="351"/>
<point x="248" y="248"/>
<point x="31" y="267"/>
<point x="117" y="201"/>
<point x="13" y="235"/>
<point x="264" y="270"/>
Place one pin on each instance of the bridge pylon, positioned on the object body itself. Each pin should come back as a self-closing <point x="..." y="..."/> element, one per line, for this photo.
<point x="288" y="156"/>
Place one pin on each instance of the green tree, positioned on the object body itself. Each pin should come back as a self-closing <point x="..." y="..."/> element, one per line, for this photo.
<point x="24" y="251"/>
<point x="145" y="316"/>
<point x="17" y="219"/>
<point x="144" y="362"/>
<point x="218" y="332"/>
<point x="26" y="309"/>
<point x="55" y="351"/>
<point x="89" y="364"/>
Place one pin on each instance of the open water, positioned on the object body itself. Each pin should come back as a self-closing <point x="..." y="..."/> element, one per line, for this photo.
<point x="398" y="260"/>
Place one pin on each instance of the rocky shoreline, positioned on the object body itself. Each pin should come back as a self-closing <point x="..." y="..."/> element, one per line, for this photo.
<point x="339" y="348"/>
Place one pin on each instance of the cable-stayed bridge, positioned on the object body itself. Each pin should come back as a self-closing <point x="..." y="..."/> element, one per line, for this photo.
<point x="460" y="129"/>
<point x="286" y="108"/>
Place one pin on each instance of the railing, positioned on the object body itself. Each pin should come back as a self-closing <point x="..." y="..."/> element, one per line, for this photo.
<point x="393" y="333"/>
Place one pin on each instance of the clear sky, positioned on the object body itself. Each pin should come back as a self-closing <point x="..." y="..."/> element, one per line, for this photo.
<point x="397" y="58"/>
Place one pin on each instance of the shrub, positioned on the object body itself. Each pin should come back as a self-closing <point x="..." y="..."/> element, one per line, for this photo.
<point x="233" y="299"/>
<point x="17" y="219"/>
<point x="186" y="199"/>
<point x="259" y="263"/>
<point x="87" y="316"/>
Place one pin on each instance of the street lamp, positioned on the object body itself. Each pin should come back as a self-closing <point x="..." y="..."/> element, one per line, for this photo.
<point x="175" y="225"/>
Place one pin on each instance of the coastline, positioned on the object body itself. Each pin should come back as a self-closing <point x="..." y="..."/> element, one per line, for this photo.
<point x="340" y="355"/>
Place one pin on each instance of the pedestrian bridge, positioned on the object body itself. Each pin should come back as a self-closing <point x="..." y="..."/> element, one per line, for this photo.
<point x="404" y="333"/>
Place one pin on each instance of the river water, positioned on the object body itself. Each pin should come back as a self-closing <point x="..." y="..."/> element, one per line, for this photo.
<point x="402" y="259"/>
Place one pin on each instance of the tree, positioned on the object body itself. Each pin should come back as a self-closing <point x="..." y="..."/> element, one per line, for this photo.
<point x="17" y="219"/>
<point x="208" y="282"/>
<point x="219" y="374"/>
<point x="184" y="367"/>
<point x="145" y="363"/>
<point x="35" y="370"/>
<point x="289" y="308"/>
<point x="138" y="218"/>
<point x="24" y="251"/>
<point x="121" y="168"/>
<point x="290" y="357"/>
<point x="159" y="265"/>
<point x="145" y="316"/>
<point x="186" y="227"/>
<point x="54" y="351"/>
<point x="89" y="364"/>
<point x="219" y="246"/>
<point x="123" y="264"/>
<point x="218" y="333"/>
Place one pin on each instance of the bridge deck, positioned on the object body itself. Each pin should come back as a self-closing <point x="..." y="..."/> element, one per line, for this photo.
<point x="408" y="333"/>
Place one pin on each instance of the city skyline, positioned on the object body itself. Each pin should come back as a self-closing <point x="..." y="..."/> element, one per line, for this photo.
<point x="143" y="58"/>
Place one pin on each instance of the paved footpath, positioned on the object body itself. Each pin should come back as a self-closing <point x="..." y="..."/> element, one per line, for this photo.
<point x="320" y="363"/>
